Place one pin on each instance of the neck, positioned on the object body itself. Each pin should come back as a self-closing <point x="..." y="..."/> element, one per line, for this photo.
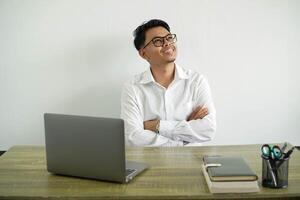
<point x="163" y="74"/>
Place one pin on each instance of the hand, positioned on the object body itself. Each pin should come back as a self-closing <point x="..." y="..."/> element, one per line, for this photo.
<point x="151" y="125"/>
<point x="198" y="113"/>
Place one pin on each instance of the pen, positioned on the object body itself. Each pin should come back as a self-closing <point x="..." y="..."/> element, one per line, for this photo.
<point x="283" y="147"/>
<point x="287" y="155"/>
<point x="289" y="152"/>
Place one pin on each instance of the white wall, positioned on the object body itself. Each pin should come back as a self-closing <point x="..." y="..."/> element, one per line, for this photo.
<point x="73" y="56"/>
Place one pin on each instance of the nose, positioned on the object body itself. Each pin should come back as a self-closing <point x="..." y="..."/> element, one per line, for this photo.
<point x="166" y="42"/>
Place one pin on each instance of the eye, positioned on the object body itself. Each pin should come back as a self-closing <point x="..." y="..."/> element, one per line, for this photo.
<point x="170" y="38"/>
<point x="158" y="41"/>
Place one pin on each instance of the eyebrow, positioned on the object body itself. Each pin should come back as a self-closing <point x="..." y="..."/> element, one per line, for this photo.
<point x="160" y="36"/>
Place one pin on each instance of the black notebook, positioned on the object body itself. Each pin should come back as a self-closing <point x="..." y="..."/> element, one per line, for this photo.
<point x="221" y="168"/>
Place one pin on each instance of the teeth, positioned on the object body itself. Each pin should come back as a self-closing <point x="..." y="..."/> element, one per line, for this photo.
<point x="168" y="51"/>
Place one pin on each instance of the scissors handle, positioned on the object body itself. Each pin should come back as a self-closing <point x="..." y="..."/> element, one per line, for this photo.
<point x="272" y="152"/>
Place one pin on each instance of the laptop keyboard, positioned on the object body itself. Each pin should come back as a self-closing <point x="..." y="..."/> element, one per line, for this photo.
<point x="129" y="171"/>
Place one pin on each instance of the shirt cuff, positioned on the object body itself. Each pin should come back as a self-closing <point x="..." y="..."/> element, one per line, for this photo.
<point x="179" y="144"/>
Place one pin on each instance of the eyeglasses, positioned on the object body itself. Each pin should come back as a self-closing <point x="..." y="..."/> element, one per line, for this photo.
<point x="160" y="41"/>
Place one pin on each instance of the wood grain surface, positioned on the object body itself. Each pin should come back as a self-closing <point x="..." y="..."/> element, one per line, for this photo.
<point x="175" y="173"/>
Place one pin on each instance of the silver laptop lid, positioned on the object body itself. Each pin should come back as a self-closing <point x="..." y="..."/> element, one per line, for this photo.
<point x="90" y="147"/>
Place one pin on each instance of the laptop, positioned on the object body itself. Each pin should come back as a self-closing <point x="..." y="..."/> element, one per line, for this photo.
<point x="88" y="147"/>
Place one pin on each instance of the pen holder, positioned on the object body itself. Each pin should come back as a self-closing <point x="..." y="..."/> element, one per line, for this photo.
<point x="275" y="173"/>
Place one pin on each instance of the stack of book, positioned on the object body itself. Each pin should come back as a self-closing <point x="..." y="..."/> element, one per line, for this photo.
<point x="229" y="175"/>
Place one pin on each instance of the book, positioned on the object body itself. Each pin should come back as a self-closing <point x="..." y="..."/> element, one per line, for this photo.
<point x="230" y="186"/>
<point x="221" y="168"/>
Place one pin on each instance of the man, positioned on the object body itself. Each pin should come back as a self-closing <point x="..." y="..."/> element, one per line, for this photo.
<point x="166" y="105"/>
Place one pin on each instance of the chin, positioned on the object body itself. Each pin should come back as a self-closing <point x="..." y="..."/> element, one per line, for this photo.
<point x="171" y="60"/>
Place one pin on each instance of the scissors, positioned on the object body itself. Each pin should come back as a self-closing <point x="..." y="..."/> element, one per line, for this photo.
<point x="273" y="152"/>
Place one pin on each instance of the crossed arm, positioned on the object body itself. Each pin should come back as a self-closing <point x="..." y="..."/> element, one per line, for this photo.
<point x="198" y="113"/>
<point x="197" y="128"/>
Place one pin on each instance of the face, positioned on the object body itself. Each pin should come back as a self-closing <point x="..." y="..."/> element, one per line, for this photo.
<point x="158" y="55"/>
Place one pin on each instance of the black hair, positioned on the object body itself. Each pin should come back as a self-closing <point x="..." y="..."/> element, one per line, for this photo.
<point x="140" y="32"/>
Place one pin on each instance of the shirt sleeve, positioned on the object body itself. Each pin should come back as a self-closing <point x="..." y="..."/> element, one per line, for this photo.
<point x="194" y="131"/>
<point x="135" y="135"/>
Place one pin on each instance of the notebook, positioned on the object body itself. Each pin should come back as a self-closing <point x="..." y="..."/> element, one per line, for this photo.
<point x="230" y="186"/>
<point x="221" y="168"/>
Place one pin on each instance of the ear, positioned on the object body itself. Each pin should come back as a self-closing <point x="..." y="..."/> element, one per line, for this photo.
<point x="143" y="54"/>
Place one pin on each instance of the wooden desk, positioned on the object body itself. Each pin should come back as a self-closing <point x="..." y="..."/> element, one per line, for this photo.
<point x="174" y="174"/>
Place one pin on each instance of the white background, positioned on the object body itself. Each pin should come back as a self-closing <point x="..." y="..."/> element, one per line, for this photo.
<point x="72" y="57"/>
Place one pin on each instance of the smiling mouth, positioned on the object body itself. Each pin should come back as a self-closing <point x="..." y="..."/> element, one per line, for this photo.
<point x="168" y="51"/>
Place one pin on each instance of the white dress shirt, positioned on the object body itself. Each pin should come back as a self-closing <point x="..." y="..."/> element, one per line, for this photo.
<point x="144" y="99"/>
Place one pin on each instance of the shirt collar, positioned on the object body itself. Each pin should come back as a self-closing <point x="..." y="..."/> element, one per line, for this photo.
<point x="147" y="76"/>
